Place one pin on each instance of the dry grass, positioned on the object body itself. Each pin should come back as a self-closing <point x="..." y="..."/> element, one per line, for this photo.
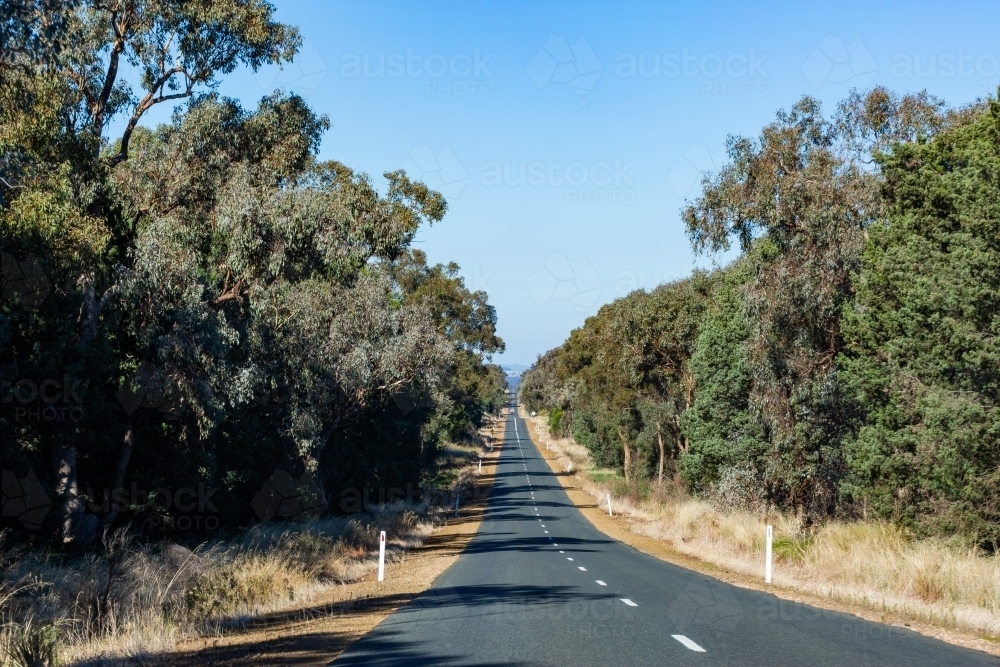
<point x="872" y="564"/>
<point x="139" y="599"/>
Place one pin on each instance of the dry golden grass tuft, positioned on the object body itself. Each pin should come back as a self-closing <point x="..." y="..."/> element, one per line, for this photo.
<point x="867" y="565"/>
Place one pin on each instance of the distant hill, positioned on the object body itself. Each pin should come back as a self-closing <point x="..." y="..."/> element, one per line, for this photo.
<point x="514" y="370"/>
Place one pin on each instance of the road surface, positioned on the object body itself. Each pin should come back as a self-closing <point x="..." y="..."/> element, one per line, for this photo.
<point x="539" y="585"/>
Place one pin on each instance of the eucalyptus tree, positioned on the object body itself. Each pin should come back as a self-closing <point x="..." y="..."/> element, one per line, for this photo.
<point x="656" y="333"/>
<point x="799" y="200"/>
<point x="624" y="377"/>
<point x="251" y="270"/>
<point x="474" y="386"/>
<point x="61" y="89"/>
<point x="205" y="276"/>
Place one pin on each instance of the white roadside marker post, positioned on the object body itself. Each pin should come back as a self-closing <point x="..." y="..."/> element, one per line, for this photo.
<point x="767" y="556"/>
<point x="609" y="505"/>
<point x="480" y="466"/>
<point x="381" y="556"/>
<point x="456" y="504"/>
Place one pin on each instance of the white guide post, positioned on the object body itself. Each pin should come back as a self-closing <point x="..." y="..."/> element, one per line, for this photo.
<point x="767" y="555"/>
<point x="480" y="466"/>
<point x="609" y="505"/>
<point x="456" y="504"/>
<point x="381" y="556"/>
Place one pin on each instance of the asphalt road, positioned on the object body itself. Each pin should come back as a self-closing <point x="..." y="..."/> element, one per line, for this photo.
<point x="539" y="585"/>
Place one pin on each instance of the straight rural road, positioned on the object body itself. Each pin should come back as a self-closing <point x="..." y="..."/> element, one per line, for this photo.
<point x="539" y="585"/>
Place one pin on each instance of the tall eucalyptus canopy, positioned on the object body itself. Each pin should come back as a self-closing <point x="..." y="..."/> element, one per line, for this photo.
<point x="207" y="293"/>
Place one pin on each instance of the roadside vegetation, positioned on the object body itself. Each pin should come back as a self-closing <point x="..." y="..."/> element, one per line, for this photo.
<point x="840" y="376"/>
<point x="132" y="601"/>
<point x="876" y="566"/>
<point x="217" y="350"/>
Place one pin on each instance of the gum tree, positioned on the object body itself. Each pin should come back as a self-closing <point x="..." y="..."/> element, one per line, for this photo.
<point x="799" y="200"/>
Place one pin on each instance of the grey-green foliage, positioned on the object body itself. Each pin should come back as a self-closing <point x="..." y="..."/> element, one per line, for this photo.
<point x="799" y="200"/>
<point x="623" y="378"/>
<point x="243" y="296"/>
<point x="846" y="363"/>
<point x="239" y="230"/>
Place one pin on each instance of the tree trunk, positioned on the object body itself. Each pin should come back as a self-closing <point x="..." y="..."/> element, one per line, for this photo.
<point x="663" y="454"/>
<point x="118" y="480"/>
<point x="682" y="442"/>
<point x="74" y="524"/>
<point x="628" y="457"/>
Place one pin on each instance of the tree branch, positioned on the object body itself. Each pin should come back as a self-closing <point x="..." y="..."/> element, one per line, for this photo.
<point x="148" y="102"/>
<point x="98" y="107"/>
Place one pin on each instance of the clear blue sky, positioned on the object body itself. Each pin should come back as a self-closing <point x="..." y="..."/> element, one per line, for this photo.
<point x="567" y="136"/>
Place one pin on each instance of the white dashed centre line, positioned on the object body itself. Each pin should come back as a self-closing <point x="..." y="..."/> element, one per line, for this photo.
<point x="600" y="583"/>
<point x="582" y="569"/>
<point x="568" y="558"/>
<point x="632" y="604"/>
<point x="562" y="552"/>
<point x="688" y="643"/>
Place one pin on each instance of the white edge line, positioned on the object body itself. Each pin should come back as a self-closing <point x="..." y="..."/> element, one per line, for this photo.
<point x="632" y="604"/>
<point x="688" y="643"/>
